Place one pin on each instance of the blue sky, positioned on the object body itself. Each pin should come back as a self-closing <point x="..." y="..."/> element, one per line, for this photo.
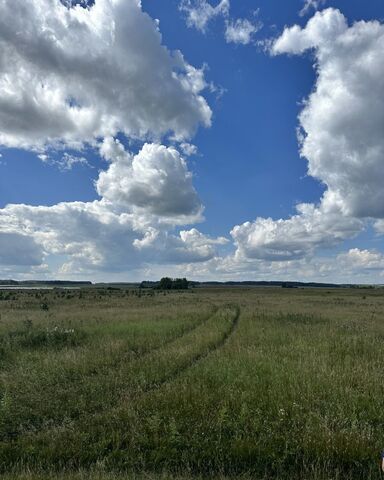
<point x="99" y="179"/>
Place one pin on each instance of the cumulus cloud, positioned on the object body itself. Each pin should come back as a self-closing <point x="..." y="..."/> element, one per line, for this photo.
<point x="361" y="260"/>
<point x="93" y="236"/>
<point x="200" y="12"/>
<point x="189" y="246"/>
<point x="143" y="197"/>
<point x="241" y="31"/>
<point x="69" y="75"/>
<point x="278" y="240"/>
<point x="156" y="181"/>
<point x="343" y="119"/>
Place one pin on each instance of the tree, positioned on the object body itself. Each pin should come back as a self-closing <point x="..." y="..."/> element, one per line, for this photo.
<point x="167" y="283"/>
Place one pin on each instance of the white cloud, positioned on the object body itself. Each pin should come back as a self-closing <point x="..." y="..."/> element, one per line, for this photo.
<point x="361" y="260"/>
<point x="188" y="149"/>
<point x="66" y="163"/>
<point x="241" y="31"/>
<point x="70" y="75"/>
<point x="143" y="197"/>
<point x="94" y="237"/>
<point x="297" y="237"/>
<point x="353" y="266"/>
<point x="311" y="4"/>
<point x="189" y="246"/>
<point x="154" y="182"/>
<point x="343" y="119"/>
<point x="200" y="12"/>
<point x="112" y="150"/>
<point x="321" y="31"/>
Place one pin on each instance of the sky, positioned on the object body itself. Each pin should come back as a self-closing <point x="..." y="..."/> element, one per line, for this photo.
<point x="214" y="140"/>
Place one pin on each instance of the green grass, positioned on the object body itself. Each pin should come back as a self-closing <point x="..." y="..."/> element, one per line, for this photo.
<point x="210" y="383"/>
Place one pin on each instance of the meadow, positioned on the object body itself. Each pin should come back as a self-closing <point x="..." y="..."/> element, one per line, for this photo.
<point x="250" y="383"/>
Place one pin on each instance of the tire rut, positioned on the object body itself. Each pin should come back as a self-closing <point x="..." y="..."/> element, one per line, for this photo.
<point x="178" y="336"/>
<point x="198" y="358"/>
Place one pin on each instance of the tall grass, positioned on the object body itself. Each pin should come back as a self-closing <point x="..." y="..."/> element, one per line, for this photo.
<point x="269" y="384"/>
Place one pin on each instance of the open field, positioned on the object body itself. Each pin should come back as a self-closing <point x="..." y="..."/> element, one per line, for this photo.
<point x="262" y="383"/>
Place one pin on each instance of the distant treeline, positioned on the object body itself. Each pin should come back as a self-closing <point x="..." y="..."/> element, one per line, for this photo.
<point x="279" y="284"/>
<point x="167" y="283"/>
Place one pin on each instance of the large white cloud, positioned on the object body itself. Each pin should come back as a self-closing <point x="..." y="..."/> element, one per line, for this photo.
<point x="189" y="246"/>
<point x="142" y="198"/>
<point x="70" y="75"/>
<point x="343" y="118"/>
<point x="156" y="181"/>
<point x="295" y="237"/>
<point x="93" y="236"/>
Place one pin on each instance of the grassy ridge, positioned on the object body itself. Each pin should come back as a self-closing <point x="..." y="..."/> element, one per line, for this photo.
<point x="295" y="391"/>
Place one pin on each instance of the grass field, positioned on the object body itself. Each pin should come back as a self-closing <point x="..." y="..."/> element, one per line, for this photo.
<point x="261" y="383"/>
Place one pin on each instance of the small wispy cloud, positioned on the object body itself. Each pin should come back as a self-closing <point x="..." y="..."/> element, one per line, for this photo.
<point x="309" y="4"/>
<point x="188" y="149"/>
<point x="200" y="12"/>
<point x="241" y="31"/>
<point x="66" y="163"/>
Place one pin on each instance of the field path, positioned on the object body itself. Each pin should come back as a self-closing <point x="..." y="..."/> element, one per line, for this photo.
<point x="200" y="356"/>
<point x="180" y="335"/>
<point x="135" y="396"/>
